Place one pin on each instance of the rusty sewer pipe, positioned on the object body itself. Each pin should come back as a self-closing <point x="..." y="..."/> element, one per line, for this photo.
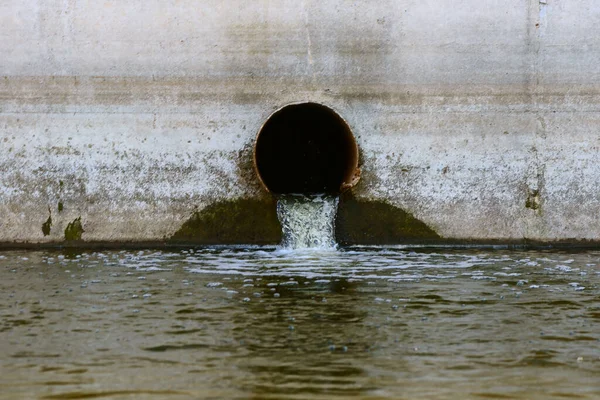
<point x="306" y="148"/>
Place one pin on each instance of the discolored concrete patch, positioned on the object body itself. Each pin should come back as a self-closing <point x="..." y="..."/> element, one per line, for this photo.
<point x="254" y="221"/>
<point x="47" y="226"/>
<point x="241" y="221"/>
<point x="74" y="230"/>
<point x="377" y="222"/>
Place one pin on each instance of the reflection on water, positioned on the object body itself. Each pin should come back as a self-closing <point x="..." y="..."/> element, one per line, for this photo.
<point x="271" y="323"/>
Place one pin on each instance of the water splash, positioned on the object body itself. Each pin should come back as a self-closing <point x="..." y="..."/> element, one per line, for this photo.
<point x="308" y="222"/>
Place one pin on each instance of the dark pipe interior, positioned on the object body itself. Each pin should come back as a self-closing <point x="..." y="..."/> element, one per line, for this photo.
<point x="305" y="148"/>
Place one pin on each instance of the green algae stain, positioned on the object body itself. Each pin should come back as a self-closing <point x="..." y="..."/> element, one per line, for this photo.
<point x="377" y="222"/>
<point x="242" y="221"/>
<point x="60" y="206"/>
<point x="74" y="230"/>
<point x="46" y="226"/>
<point x="254" y="221"/>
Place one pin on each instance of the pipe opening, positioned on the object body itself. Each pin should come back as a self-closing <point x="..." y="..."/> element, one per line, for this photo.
<point x="306" y="148"/>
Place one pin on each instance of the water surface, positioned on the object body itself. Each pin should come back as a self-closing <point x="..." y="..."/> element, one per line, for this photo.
<point x="263" y="323"/>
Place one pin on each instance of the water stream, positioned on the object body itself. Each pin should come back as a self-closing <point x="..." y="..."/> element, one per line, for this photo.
<point x="308" y="222"/>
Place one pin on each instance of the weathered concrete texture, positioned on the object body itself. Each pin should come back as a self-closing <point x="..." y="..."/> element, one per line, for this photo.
<point x="132" y="115"/>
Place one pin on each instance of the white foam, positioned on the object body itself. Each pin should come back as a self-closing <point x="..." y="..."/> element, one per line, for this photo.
<point x="307" y="222"/>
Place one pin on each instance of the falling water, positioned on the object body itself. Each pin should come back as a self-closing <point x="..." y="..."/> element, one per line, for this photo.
<point x="307" y="221"/>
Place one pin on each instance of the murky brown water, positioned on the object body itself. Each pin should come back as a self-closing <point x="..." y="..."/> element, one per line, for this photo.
<point x="268" y="324"/>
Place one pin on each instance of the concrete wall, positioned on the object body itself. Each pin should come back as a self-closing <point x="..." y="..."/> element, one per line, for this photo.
<point x="481" y="118"/>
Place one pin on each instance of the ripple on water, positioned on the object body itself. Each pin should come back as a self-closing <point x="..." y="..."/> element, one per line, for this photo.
<point x="265" y="322"/>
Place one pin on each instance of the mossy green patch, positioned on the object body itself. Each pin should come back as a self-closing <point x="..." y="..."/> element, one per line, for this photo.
<point x="60" y="206"/>
<point x="46" y="226"/>
<point x="74" y="230"/>
<point x="254" y="221"/>
<point x="242" y="221"/>
<point x="377" y="222"/>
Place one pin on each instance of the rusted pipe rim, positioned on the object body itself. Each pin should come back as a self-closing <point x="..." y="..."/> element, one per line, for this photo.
<point x="306" y="147"/>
